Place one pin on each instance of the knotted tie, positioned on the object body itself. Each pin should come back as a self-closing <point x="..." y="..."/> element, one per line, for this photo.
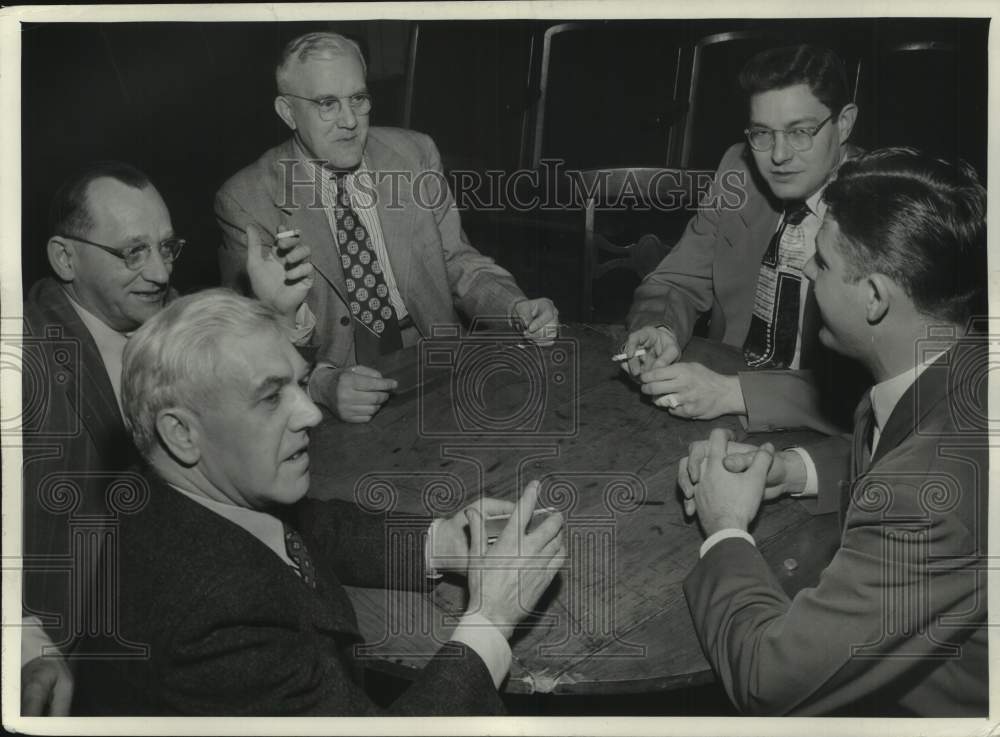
<point x="368" y="295"/>
<point x="774" y="325"/>
<point x="861" y="451"/>
<point x="296" y="548"/>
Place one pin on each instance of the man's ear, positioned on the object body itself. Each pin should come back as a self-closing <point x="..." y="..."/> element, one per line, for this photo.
<point x="879" y="298"/>
<point x="180" y="432"/>
<point x="284" y="111"/>
<point x="62" y="258"/>
<point x="845" y="121"/>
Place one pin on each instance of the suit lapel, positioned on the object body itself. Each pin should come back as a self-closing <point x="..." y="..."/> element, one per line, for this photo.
<point x="89" y="389"/>
<point x="302" y="205"/>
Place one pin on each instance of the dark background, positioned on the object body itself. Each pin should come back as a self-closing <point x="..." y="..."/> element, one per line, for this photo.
<point x="191" y="103"/>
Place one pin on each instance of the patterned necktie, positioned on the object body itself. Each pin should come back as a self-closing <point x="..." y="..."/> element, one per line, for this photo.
<point x="367" y="292"/>
<point x="774" y="325"/>
<point x="295" y="546"/>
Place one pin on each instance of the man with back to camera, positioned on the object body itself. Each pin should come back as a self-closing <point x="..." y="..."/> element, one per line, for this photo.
<point x="386" y="237"/>
<point x="111" y="248"/>
<point x="745" y="265"/>
<point x="235" y="580"/>
<point x="896" y="625"/>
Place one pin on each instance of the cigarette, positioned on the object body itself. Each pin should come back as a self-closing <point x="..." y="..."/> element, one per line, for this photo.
<point x="286" y="234"/>
<point x="627" y="357"/>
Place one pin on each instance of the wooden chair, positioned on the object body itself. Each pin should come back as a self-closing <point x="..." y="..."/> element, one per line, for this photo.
<point x="653" y="203"/>
<point x="589" y="87"/>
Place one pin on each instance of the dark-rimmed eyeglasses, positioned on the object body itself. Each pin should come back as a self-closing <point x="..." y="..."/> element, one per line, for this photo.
<point x="800" y="138"/>
<point x="330" y="107"/>
<point x="135" y="257"/>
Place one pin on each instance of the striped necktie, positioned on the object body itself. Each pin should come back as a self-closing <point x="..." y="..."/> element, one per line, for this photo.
<point x="774" y="325"/>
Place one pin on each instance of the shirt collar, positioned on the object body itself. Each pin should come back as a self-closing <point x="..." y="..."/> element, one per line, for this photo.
<point x="327" y="174"/>
<point x="886" y="394"/>
<point x="99" y="329"/>
<point x="263" y="526"/>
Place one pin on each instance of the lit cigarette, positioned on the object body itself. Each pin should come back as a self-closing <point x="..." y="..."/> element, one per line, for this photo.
<point x="626" y="357"/>
<point x="287" y="234"/>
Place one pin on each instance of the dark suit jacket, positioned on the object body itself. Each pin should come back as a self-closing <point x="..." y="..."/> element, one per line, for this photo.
<point x="438" y="273"/>
<point x="232" y="630"/>
<point x="714" y="267"/>
<point x="76" y="451"/>
<point x="896" y="625"/>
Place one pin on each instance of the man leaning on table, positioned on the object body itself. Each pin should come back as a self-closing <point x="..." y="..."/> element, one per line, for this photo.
<point x="234" y="580"/>
<point x="111" y="248"/>
<point x="744" y="265"/>
<point x="897" y="622"/>
<point x="372" y="203"/>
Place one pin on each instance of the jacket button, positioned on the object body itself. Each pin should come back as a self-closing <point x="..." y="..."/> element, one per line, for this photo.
<point x="345" y="321"/>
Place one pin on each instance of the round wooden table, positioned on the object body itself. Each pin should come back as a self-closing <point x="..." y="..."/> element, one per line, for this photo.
<point x="487" y="414"/>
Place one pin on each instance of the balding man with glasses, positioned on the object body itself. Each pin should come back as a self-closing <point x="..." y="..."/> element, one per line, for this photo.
<point x="743" y="264"/>
<point x="112" y="249"/>
<point x="391" y="257"/>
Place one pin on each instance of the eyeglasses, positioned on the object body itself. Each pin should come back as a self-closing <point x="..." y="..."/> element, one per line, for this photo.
<point x="800" y="139"/>
<point x="329" y="107"/>
<point x="135" y="257"/>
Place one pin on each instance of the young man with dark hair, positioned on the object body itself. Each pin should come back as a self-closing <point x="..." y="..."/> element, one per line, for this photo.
<point x="897" y="622"/>
<point x="745" y="265"/>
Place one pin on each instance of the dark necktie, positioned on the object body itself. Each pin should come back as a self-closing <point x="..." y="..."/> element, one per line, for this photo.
<point x="861" y="449"/>
<point x="367" y="292"/>
<point x="296" y="548"/>
<point x="774" y="325"/>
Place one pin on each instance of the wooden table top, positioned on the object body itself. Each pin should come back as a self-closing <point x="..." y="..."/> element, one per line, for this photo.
<point x="479" y="418"/>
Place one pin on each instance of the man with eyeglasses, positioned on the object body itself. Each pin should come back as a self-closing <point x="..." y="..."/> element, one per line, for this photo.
<point x="386" y="238"/>
<point x="112" y="250"/>
<point x="744" y="264"/>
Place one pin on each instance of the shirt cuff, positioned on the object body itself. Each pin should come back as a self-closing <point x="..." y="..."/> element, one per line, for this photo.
<point x="305" y="324"/>
<point x="812" y="480"/>
<point x="721" y="535"/>
<point x="480" y="634"/>
<point x="430" y="570"/>
<point x="34" y="642"/>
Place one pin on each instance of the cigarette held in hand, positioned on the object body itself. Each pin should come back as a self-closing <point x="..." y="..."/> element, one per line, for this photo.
<point x="626" y="357"/>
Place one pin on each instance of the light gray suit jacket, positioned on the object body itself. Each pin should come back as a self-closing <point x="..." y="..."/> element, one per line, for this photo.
<point x="438" y="272"/>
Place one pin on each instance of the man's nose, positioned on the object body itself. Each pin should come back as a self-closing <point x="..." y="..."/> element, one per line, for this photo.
<point x="156" y="270"/>
<point x="781" y="152"/>
<point x="306" y="413"/>
<point x="347" y="118"/>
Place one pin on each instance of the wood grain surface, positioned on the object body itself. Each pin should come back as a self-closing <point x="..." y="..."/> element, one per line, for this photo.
<point x="485" y="416"/>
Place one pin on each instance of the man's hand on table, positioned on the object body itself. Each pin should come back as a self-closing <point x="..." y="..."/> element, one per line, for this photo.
<point x="721" y="498"/>
<point x="785" y="473"/>
<point x="540" y="319"/>
<point x="660" y="345"/>
<point x="507" y="578"/>
<point x="46" y="687"/>
<point x="694" y="392"/>
<point x="354" y="394"/>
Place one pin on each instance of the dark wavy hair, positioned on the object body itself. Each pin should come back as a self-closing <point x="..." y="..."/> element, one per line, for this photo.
<point x="919" y="220"/>
<point x="820" y="68"/>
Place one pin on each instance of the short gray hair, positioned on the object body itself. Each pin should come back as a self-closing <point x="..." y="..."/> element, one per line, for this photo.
<point x="318" y="43"/>
<point x="173" y="359"/>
